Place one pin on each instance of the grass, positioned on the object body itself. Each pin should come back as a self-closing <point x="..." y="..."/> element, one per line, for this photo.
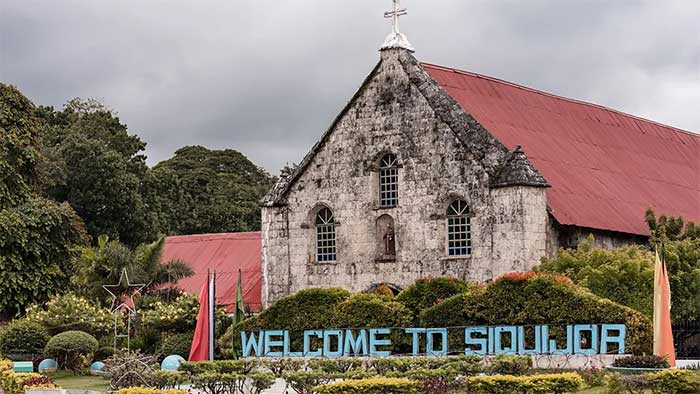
<point x="81" y="382"/>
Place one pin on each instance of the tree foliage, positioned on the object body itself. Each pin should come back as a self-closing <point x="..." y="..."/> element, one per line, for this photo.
<point x="37" y="235"/>
<point x="207" y="191"/>
<point x="624" y="275"/>
<point x="98" y="168"/>
<point x="103" y="265"/>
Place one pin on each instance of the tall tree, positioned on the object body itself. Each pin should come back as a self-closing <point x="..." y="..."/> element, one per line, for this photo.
<point x="207" y="191"/>
<point x="37" y="236"/>
<point x="98" y="168"/>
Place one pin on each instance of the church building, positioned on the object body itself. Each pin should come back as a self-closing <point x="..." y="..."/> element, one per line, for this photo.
<point x="431" y="171"/>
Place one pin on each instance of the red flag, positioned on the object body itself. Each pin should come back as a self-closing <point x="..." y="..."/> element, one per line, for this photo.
<point x="200" y="343"/>
<point x="663" y="333"/>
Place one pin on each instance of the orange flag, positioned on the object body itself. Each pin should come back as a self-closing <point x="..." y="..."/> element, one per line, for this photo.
<point x="663" y="334"/>
<point x="200" y="343"/>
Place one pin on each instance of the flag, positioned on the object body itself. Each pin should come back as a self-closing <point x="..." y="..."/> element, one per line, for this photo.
<point x="200" y="343"/>
<point x="663" y="334"/>
<point x="211" y="310"/>
<point x="239" y="314"/>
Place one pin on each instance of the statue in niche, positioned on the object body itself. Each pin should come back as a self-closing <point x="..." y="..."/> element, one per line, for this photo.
<point x="389" y="241"/>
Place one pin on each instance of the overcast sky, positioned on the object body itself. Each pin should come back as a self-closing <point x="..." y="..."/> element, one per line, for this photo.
<point x="267" y="77"/>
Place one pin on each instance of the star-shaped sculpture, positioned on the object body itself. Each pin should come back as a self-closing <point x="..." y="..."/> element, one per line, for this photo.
<point x="117" y="296"/>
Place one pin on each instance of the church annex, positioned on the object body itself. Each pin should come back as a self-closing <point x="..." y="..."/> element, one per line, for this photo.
<point x="432" y="171"/>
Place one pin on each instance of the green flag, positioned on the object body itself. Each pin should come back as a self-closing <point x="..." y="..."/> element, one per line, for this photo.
<point x="239" y="314"/>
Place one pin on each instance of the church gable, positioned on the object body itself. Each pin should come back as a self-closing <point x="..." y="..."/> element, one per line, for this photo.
<point x="399" y="80"/>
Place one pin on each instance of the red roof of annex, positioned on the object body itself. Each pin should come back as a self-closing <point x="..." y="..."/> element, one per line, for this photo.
<point x="225" y="253"/>
<point x="605" y="167"/>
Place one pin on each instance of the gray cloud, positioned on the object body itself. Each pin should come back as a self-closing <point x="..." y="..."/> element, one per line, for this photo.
<point x="267" y="77"/>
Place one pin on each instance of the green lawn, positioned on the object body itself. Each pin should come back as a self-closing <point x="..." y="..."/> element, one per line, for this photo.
<point x="69" y="381"/>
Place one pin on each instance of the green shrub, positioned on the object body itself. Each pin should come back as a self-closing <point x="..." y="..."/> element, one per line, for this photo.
<point x="367" y="310"/>
<point x="104" y="352"/>
<point x="303" y="310"/>
<point x="179" y="344"/>
<point x="72" y="349"/>
<point x="676" y="381"/>
<point x="69" y="312"/>
<point x="534" y="384"/>
<point x="426" y="293"/>
<point x="510" y="365"/>
<point x="371" y="386"/>
<point x="23" y="339"/>
<point x="646" y="361"/>
<point x="530" y="299"/>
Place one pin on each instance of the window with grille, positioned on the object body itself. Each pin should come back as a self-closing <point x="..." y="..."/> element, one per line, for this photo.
<point x="459" y="236"/>
<point x="325" y="235"/>
<point x="388" y="181"/>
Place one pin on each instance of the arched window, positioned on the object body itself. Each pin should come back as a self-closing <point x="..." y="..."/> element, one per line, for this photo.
<point x="325" y="235"/>
<point x="388" y="181"/>
<point x="459" y="236"/>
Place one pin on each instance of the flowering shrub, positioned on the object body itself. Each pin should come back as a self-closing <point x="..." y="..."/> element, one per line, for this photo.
<point x="40" y="382"/>
<point x="70" y="312"/>
<point x="179" y="315"/>
<point x="526" y="276"/>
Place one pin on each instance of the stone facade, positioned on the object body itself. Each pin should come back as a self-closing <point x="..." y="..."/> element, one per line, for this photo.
<point x="443" y="155"/>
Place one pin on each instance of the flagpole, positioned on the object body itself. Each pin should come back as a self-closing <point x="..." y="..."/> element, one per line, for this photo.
<point x="212" y="304"/>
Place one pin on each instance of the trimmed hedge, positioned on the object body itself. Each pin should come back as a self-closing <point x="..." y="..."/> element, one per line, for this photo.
<point x="367" y="310"/>
<point x="534" y="384"/>
<point x="72" y="349"/>
<point x="428" y="292"/>
<point x="23" y="339"/>
<point x="303" y="310"/>
<point x="371" y="386"/>
<point x="533" y="298"/>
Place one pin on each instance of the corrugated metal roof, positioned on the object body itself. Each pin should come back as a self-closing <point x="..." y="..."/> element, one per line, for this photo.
<point x="224" y="253"/>
<point x="605" y="167"/>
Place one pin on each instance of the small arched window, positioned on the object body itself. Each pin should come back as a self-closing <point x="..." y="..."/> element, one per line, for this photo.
<point x="388" y="181"/>
<point x="459" y="236"/>
<point x="325" y="235"/>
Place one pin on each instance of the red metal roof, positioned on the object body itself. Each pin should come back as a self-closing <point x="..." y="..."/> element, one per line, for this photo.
<point x="226" y="254"/>
<point x="605" y="167"/>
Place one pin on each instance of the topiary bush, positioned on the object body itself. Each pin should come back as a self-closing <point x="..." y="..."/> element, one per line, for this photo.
<point x="425" y="293"/>
<point x="303" y="310"/>
<point x="70" y="312"/>
<point x="72" y="349"/>
<point x="23" y="339"/>
<point x="535" y="298"/>
<point x="178" y="344"/>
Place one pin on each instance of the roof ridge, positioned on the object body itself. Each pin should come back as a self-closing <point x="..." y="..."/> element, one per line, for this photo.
<point x="542" y="92"/>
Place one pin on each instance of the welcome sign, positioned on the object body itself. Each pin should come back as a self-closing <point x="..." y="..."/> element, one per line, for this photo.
<point x="579" y="339"/>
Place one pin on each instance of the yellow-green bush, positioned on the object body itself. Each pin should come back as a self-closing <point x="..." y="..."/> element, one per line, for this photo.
<point x="671" y="381"/>
<point x="13" y="383"/>
<point x="677" y="381"/>
<point x="534" y="384"/>
<point x="371" y="386"/>
<point x="149" y="390"/>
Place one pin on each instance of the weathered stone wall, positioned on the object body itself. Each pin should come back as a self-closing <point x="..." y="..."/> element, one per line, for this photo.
<point x="391" y="114"/>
